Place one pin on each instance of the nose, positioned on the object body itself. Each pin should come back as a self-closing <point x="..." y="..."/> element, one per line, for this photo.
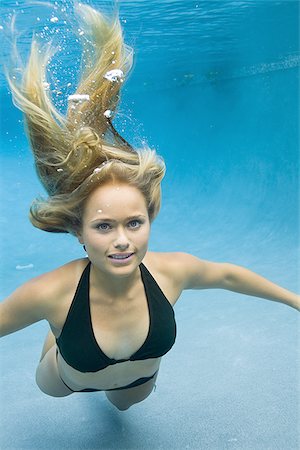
<point x="121" y="241"/>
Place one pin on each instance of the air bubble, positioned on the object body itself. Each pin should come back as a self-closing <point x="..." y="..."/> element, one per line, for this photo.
<point x="54" y="19"/>
<point x="22" y="267"/>
<point x="108" y="113"/>
<point x="114" y="75"/>
<point x="78" y="98"/>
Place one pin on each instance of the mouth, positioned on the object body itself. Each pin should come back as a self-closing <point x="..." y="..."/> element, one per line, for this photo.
<point x="120" y="256"/>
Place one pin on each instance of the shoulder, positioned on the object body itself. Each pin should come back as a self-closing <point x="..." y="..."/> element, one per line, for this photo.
<point x="167" y="260"/>
<point x="40" y="298"/>
<point x="170" y="271"/>
<point x="188" y="271"/>
<point x="46" y="289"/>
<point x="174" y="264"/>
<point x="59" y="280"/>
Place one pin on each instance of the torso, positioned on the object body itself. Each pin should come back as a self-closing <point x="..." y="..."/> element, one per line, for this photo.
<point x="120" y="328"/>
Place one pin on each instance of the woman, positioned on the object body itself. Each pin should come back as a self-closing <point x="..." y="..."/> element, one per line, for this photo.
<point x="110" y="314"/>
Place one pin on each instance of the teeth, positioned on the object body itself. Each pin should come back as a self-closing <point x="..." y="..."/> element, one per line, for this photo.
<point x="120" y="256"/>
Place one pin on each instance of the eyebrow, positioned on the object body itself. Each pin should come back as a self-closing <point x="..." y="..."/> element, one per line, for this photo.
<point x="107" y="219"/>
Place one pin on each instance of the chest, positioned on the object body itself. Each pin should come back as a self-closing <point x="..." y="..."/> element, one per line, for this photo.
<point x="100" y="332"/>
<point x="120" y="327"/>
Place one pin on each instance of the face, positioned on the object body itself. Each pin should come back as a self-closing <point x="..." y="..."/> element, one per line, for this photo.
<point x="115" y="228"/>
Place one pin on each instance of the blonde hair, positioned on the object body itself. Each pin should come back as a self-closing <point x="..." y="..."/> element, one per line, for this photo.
<point x="68" y="149"/>
<point x="63" y="212"/>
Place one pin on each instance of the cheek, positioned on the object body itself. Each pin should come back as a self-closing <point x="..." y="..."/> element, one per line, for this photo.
<point x="144" y="236"/>
<point x="96" y="240"/>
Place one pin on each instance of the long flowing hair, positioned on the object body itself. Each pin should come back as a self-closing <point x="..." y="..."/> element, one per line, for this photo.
<point x="69" y="148"/>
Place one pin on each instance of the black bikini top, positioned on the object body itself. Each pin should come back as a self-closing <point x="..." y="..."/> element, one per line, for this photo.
<point x="77" y="342"/>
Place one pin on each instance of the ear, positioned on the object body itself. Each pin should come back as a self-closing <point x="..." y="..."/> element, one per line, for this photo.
<point x="79" y="237"/>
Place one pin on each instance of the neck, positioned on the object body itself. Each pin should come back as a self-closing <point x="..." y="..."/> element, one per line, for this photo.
<point x="114" y="286"/>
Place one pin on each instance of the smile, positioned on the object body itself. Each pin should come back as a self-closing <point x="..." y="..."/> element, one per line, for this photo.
<point x="121" y="256"/>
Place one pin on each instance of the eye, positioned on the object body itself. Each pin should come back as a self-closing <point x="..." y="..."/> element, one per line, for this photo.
<point x="134" y="224"/>
<point x="103" y="227"/>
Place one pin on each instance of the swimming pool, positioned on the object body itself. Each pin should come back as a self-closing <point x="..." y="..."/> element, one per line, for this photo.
<point x="215" y="91"/>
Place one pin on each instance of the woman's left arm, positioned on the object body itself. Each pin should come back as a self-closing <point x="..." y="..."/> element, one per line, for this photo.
<point x="200" y="274"/>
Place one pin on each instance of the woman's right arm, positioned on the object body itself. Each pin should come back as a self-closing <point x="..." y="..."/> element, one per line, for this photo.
<point x="23" y="307"/>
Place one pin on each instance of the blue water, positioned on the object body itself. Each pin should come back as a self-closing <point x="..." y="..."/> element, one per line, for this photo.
<point x="215" y="89"/>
